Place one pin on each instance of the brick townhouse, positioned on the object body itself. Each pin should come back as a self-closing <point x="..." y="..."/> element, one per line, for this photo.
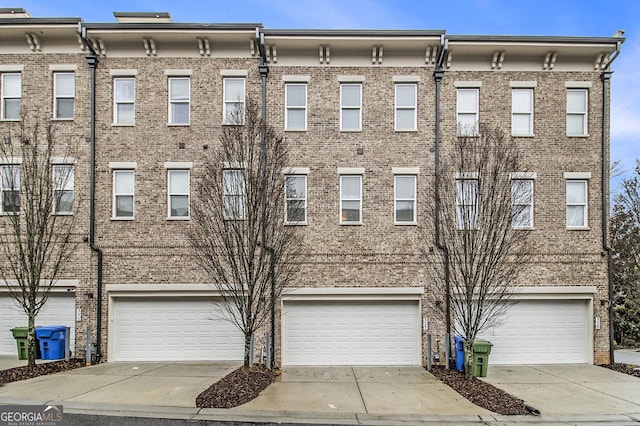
<point x="362" y="112"/>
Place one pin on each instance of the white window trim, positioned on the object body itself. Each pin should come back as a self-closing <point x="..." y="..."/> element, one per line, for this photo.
<point x="476" y="89"/>
<point x="117" y="170"/>
<point x="287" y="107"/>
<point x="358" y="108"/>
<point x="585" y="113"/>
<point x="359" y="222"/>
<point x="170" y="102"/>
<point x="116" y="103"/>
<point x="225" y="101"/>
<point x="302" y="222"/>
<point x="225" y="216"/>
<point x="2" y="189"/>
<point x="56" y="96"/>
<point x="55" y="188"/>
<point x="414" y="221"/>
<point x="414" y="107"/>
<point x="3" y="97"/>
<point x="585" y="226"/>
<point x="459" y="182"/>
<point x="531" y="203"/>
<point x="169" y="194"/>
<point x="529" y="113"/>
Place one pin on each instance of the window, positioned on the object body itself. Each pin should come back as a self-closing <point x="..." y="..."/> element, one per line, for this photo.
<point x="351" y="106"/>
<point x="405" y="199"/>
<point x="351" y="199"/>
<point x="11" y="96"/>
<point x="467" y="203"/>
<point x="124" y="101"/>
<point x="64" y="93"/>
<point x="233" y="187"/>
<point x="406" y="106"/>
<point x="233" y="100"/>
<point x="63" y="177"/>
<point x="178" y="194"/>
<point x="577" y="112"/>
<point x="179" y="97"/>
<point x="522" y="203"/>
<point x="467" y="104"/>
<point x="123" y="194"/>
<point x="522" y="112"/>
<point x="296" y="199"/>
<point x="296" y="106"/>
<point x="10" y="188"/>
<point x="576" y="203"/>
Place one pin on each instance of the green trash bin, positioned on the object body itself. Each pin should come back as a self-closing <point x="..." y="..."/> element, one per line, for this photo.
<point x="481" y="351"/>
<point x="21" y="334"/>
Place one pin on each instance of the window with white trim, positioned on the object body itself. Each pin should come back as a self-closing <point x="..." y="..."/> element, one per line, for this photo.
<point x="10" y="179"/>
<point x="63" y="188"/>
<point x="405" y="199"/>
<point x="522" y="203"/>
<point x="576" y="203"/>
<point x="179" y="100"/>
<point x="467" y="111"/>
<point x="522" y="112"/>
<point x="233" y="196"/>
<point x="351" y="106"/>
<point x="124" y="100"/>
<point x="295" y="199"/>
<point x="123" y="194"/>
<point x="234" y="98"/>
<point x="577" y="112"/>
<point x="64" y="93"/>
<point x="350" y="199"/>
<point x="178" y="194"/>
<point x="11" y="95"/>
<point x="296" y="106"/>
<point x="467" y="203"/>
<point x="406" y="106"/>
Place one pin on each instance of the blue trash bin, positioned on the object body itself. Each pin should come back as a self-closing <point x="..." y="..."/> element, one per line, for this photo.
<point x="52" y="341"/>
<point x="459" y="343"/>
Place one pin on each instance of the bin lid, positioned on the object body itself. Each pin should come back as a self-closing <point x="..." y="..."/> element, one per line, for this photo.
<point x="49" y="330"/>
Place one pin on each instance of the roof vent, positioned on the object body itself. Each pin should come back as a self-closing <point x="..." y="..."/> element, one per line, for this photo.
<point x="142" y="17"/>
<point x="13" y="12"/>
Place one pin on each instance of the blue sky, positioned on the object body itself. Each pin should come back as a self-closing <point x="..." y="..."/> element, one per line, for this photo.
<point x="600" y="18"/>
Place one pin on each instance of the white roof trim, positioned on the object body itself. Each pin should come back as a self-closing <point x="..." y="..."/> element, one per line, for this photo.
<point x="578" y="84"/>
<point x="406" y="78"/>
<point x="468" y="84"/>
<point x="351" y="170"/>
<point x="296" y="78"/>
<point x="178" y="165"/>
<point x="233" y="73"/>
<point x="405" y="170"/>
<point x="178" y="73"/>
<point x="123" y="164"/>
<point x="63" y="67"/>
<point x="523" y="84"/>
<point x="351" y="78"/>
<point x="295" y="170"/>
<point x="11" y="68"/>
<point x="577" y="175"/>
<point x="123" y="73"/>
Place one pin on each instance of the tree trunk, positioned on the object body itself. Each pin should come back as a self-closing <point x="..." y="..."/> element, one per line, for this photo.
<point x="468" y="358"/>
<point x="31" y="340"/>
<point x="247" y="350"/>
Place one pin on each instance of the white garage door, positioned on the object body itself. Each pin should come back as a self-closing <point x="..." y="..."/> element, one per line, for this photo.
<point x="59" y="310"/>
<point x="351" y="333"/>
<point x="163" y="329"/>
<point x="542" y="332"/>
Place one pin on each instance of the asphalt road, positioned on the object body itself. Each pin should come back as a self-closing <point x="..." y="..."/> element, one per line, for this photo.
<point x="627" y="356"/>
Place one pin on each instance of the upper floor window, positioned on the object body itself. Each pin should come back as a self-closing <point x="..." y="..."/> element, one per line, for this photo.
<point x="234" y="98"/>
<point x="179" y="99"/>
<point x="11" y="95"/>
<point x="522" y="203"/>
<point x="123" y="194"/>
<point x="296" y="199"/>
<point x="296" y="106"/>
<point x="351" y="106"/>
<point x="63" y="188"/>
<point x="64" y="95"/>
<point x="405" y="199"/>
<point x="576" y="203"/>
<point x="10" y="177"/>
<point x="178" y="194"/>
<point x="577" y="112"/>
<point x="406" y="106"/>
<point x="522" y="112"/>
<point x="351" y="199"/>
<point x="233" y="187"/>
<point x="467" y="203"/>
<point x="124" y="100"/>
<point x="467" y="111"/>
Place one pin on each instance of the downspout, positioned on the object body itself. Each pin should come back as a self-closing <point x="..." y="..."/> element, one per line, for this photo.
<point x="437" y="75"/>
<point x="606" y="86"/>
<point x="92" y="61"/>
<point x="263" y="68"/>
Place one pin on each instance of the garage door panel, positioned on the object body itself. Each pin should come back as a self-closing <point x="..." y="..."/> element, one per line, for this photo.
<point x="173" y="329"/>
<point x="351" y="333"/>
<point x="541" y="332"/>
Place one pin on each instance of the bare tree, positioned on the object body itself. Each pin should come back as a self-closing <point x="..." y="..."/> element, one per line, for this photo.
<point x="37" y="222"/>
<point x="483" y="208"/>
<point x="238" y="232"/>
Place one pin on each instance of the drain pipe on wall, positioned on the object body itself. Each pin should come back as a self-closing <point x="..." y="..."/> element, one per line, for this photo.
<point x="606" y="86"/>
<point x="92" y="61"/>
<point x="437" y="75"/>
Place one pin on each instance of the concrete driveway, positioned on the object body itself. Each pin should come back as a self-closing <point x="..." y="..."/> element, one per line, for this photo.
<point x="569" y="389"/>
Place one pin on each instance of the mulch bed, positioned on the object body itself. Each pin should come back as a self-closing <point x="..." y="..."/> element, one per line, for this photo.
<point x="42" y="369"/>
<point x="237" y="388"/>
<point x="481" y="393"/>
<point x="632" y="370"/>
